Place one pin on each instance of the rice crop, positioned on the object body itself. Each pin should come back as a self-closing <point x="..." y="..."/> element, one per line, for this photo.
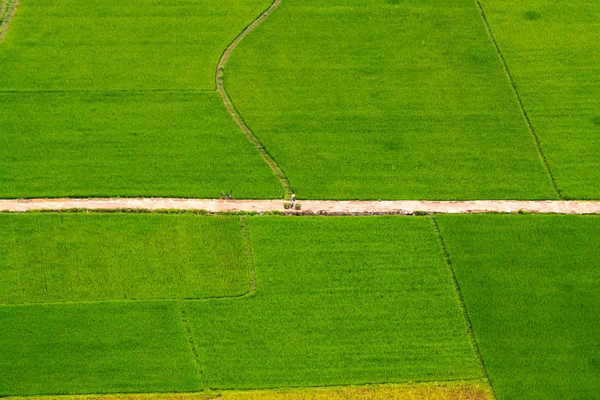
<point x="109" y="99"/>
<point x="385" y="100"/>
<point x="94" y="348"/>
<point x="111" y="144"/>
<point x="78" y="257"/>
<point x="339" y="301"/>
<point x="530" y="284"/>
<point x="134" y="45"/>
<point x="553" y="52"/>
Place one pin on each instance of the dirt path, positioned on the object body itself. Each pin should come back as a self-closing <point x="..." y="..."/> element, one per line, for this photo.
<point x="220" y="88"/>
<point x="11" y="10"/>
<point x="323" y="207"/>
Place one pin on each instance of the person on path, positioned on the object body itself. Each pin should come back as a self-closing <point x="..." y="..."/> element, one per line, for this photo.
<point x="293" y="199"/>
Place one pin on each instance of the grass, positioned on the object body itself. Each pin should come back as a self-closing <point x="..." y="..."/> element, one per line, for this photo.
<point x="109" y="144"/>
<point x="385" y="100"/>
<point x="427" y="391"/>
<point x="137" y="45"/>
<point x="553" y="52"/>
<point x="339" y="301"/>
<point x="79" y="257"/>
<point x="100" y="348"/>
<point x="530" y="284"/>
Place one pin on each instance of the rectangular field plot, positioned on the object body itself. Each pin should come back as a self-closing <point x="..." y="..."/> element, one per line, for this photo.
<point x="132" y="45"/>
<point x="531" y="287"/>
<point x="106" y="144"/>
<point x="553" y="51"/>
<point x="80" y="257"/>
<point x="385" y="99"/>
<point x="339" y="301"/>
<point x="100" y="348"/>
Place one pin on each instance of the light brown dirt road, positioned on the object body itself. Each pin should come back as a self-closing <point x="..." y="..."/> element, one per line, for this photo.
<point x="308" y="206"/>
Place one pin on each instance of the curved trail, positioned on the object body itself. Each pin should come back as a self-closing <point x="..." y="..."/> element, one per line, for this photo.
<point x="220" y="88"/>
<point x="320" y="207"/>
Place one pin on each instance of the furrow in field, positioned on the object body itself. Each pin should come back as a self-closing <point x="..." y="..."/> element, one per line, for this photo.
<point x="461" y="301"/>
<point x="534" y="135"/>
<point x="220" y="88"/>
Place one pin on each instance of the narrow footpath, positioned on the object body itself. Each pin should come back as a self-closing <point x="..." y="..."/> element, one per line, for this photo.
<point x="321" y="207"/>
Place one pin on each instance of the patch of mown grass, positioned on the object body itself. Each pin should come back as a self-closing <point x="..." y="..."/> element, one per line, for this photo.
<point x="422" y="391"/>
<point x="79" y="257"/>
<point x="133" y="45"/>
<point x="385" y="100"/>
<point x="339" y="301"/>
<point x="111" y="144"/>
<point x="555" y="62"/>
<point x="530" y="284"/>
<point x="100" y="348"/>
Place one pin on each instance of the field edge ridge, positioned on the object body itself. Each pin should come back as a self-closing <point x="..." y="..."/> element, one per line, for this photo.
<point x="220" y="88"/>
<point x="524" y="113"/>
<point x="462" y="304"/>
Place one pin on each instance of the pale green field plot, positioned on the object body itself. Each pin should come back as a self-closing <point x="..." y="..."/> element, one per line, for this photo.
<point x="339" y="301"/>
<point x="134" y="45"/>
<point x="79" y="257"/>
<point x="100" y="348"/>
<point x="385" y="100"/>
<point x="530" y="284"/>
<point x="553" y="51"/>
<point x="110" y="144"/>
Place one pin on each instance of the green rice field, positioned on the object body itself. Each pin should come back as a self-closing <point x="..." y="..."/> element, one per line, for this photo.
<point x="530" y="284"/>
<point x="334" y="301"/>
<point x="77" y="257"/>
<point x="553" y="52"/>
<point x="329" y="100"/>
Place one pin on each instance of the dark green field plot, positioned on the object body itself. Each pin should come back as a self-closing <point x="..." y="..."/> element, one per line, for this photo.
<point x="106" y="45"/>
<point x="78" y="257"/>
<point x="126" y="144"/>
<point x="339" y="301"/>
<point x="553" y="51"/>
<point x="385" y="100"/>
<point x="100" y="348"/>
<point x="530" y="284"/>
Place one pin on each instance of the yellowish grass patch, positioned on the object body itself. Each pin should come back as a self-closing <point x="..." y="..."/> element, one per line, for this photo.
<point x="430" y="391"/>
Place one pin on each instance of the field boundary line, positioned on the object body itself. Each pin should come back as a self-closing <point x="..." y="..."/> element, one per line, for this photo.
<point x="220" y="88"/>
<point x="524" y="113"/>
<point x="463" y="306"/>
<point x="307" y="207"/>
<point x="12" y="9"/>
<point x="192" y="344"/>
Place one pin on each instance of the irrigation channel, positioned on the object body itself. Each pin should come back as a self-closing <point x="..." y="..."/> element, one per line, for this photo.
<point x="319" y="207"/>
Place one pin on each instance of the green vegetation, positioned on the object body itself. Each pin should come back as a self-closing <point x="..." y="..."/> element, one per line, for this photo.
<point x="99" y="348"/>
<point x="99" y="98"/>
<point x="104" y="45"/>
<point x="126" y="144"/>
<point x="339" y="301"/>
<point x="553" y="52"/>
<point x="530" y="284"/>
<point x="385" y="100"/>
<point x="79" y="257"/>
